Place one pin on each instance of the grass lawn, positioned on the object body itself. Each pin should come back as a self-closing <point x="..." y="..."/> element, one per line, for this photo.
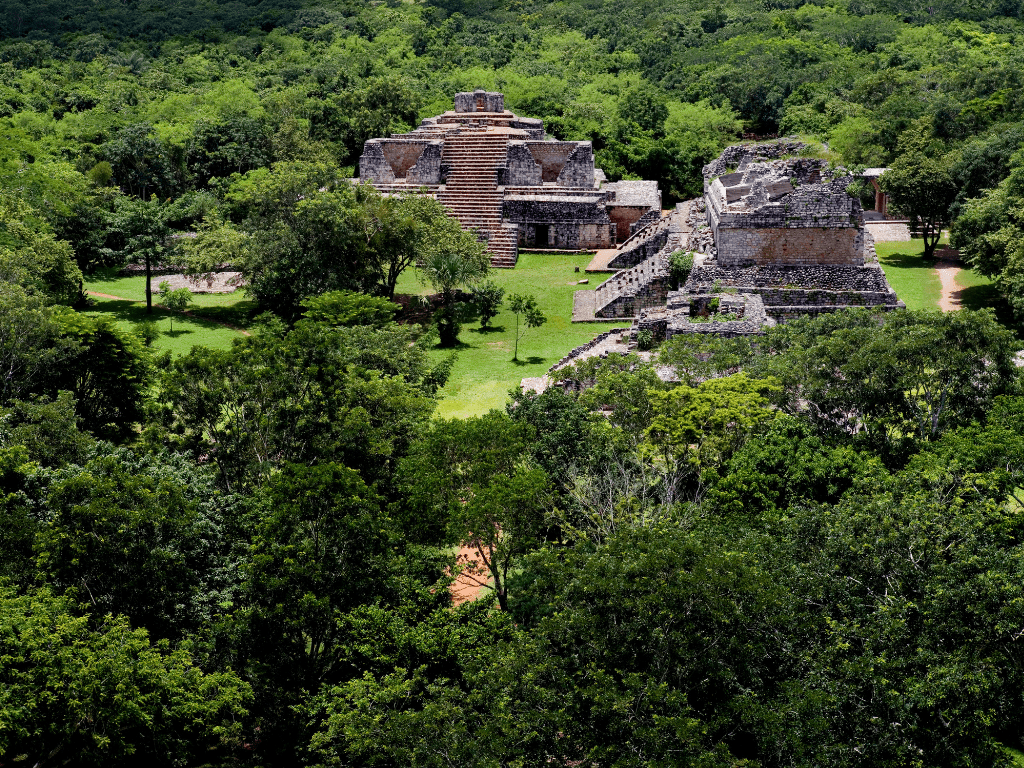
<point x="200" y="328"/>
<point x="484" y="371"/>
<point x="911" y="275"/>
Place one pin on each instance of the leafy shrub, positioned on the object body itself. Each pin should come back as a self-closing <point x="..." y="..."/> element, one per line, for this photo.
<point x="644" y="340"/>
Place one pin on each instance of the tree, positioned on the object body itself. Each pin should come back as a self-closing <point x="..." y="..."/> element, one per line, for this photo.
<point x="990" y="234"/>
<point x="175" y="300"/>
<point x="109" y="375"/>
<point x="140" y="163"/>
<point x="466" y="482"/>
<point x="140" y="538"/>
<point x="32" y="345"/>
<point x="892" y="385"/>
<point x="923" y="187"/>
<point x="302" y="233"/>
<point x="453" y="259"/>
<point x="322" y="550"/>
<point x="106" y="695"/>
<point x="139" y="230"/>
<point x="488" y="297"/>
<point x="317" y="393"/>
<point x="524" y="307"/>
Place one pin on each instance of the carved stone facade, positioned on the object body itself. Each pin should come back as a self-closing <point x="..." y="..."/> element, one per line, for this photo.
<point x="498" y="174"/>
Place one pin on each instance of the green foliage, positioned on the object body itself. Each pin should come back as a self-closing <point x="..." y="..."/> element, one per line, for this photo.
<point x="680" y="263"/>
<point x="349" y="308"/>
<point x="922" y="187"/>
<point x="106" y="696"/>
<point x="488" y="298"/>
<point x="48" y="430"/>
<point x="644" y="340"/>
<point x="525" y="308"/>
<point x="313" y="395"/>
<point x="175" y="300"/>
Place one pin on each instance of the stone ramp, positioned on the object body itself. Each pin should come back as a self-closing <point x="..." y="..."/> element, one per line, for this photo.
<point x="583" y="305"/>
<point x="601" y="259"/>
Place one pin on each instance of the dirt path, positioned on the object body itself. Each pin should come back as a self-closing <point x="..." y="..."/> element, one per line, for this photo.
<point x="187" y="313"/>
<point x="473" y="580"/>
<point x="948" y="267"/>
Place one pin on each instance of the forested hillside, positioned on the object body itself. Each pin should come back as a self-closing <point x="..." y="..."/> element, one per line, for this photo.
<point x="807" y="550"/>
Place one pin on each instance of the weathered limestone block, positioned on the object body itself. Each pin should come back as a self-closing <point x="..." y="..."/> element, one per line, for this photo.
<point x="479" y="101"/>
<point x="794" y="247"/>
<point x="521" y="169"/>
<point x="578" y="171"/>
<point x="428" y="166"/>
<point x="373" y="166"/>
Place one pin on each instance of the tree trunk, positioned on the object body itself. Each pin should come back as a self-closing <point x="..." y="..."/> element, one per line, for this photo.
<point x="149" y="285"/>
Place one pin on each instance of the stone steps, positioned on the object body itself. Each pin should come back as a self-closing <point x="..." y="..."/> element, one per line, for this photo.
<point x="471" y="194"/>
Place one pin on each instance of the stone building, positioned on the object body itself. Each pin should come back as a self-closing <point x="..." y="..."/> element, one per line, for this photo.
<point x="500" y="175"/>
<point x="774" y="230"/>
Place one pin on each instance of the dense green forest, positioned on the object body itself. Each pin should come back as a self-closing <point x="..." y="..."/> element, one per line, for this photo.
<point x="808" y="552"/>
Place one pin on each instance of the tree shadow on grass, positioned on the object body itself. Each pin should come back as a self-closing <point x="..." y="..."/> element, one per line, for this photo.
<point x="491" y="329"/>
<point x="906" y="261"/>
<point x="178" y="332"/>
<point x="532" y="360"/>
<point x="240" y="314"/>
<point x="977" y="297"/>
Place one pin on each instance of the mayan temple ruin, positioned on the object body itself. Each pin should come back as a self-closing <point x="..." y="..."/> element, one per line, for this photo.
<point x="774" y="236"/>
<point x="500" y="175"/>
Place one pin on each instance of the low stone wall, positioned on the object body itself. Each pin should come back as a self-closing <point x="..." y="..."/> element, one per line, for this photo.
<point x="830" y="278"/>
<point x="797" y="247"/>
<point x="584" y="348"/>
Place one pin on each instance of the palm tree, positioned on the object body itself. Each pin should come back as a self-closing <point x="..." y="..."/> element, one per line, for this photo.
<point x="452" y="259"/>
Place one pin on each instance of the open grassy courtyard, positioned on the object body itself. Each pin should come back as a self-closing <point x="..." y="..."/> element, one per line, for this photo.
<point x="484" y="371"/>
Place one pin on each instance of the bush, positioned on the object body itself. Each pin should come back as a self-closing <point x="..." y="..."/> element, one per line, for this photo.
<point x="488" y="298"/>
<point x="680" y="265"/>
<point x="644" y="340"/>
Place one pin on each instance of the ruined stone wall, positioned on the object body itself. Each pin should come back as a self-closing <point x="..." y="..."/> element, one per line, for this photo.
<point x="551" y="156"/>
<point x="578" y="171"/>
<point x="830" y="278"/>
<point x="479" y="101"/>
<point x="373" y="166"/>
<point x="428" y="166"/>
<point x="402" y="155"/>
<point x="744" y="154"/>
<point x="648" y="217"/>
<point x="640" y="249"/>
<point x="793" y="247"/>
<point x="570" y="236"/>
<point x="625" y="216"/>
<point x="543" y="209"/>
<point x="521" y="169"/>
<point x="533" y="126"/>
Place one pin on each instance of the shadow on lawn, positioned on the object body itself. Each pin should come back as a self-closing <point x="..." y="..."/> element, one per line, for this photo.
<point x="987" y="297"/>
<point x="532" y="360"/>
<point x="491" y="329"/>
<point x="906" y="261"/>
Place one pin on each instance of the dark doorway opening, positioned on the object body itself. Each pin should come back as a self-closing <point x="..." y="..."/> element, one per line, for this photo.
<point x="540" y="239"/>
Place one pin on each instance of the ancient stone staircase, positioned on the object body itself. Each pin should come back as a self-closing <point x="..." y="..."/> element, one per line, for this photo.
<point x="471" y="193"/>
<point x="625" y="293"/>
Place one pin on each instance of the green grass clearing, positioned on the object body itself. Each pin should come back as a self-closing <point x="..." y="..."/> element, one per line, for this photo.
<point x="484" y="371"/>
<point x="911" y="275"/>
<point x="200" y="328"/>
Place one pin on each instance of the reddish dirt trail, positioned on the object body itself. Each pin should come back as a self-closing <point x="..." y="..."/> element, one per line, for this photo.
<point x="473" y="581"/>
<point x="948" y="267"/>
<point x="187" y="313"/>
